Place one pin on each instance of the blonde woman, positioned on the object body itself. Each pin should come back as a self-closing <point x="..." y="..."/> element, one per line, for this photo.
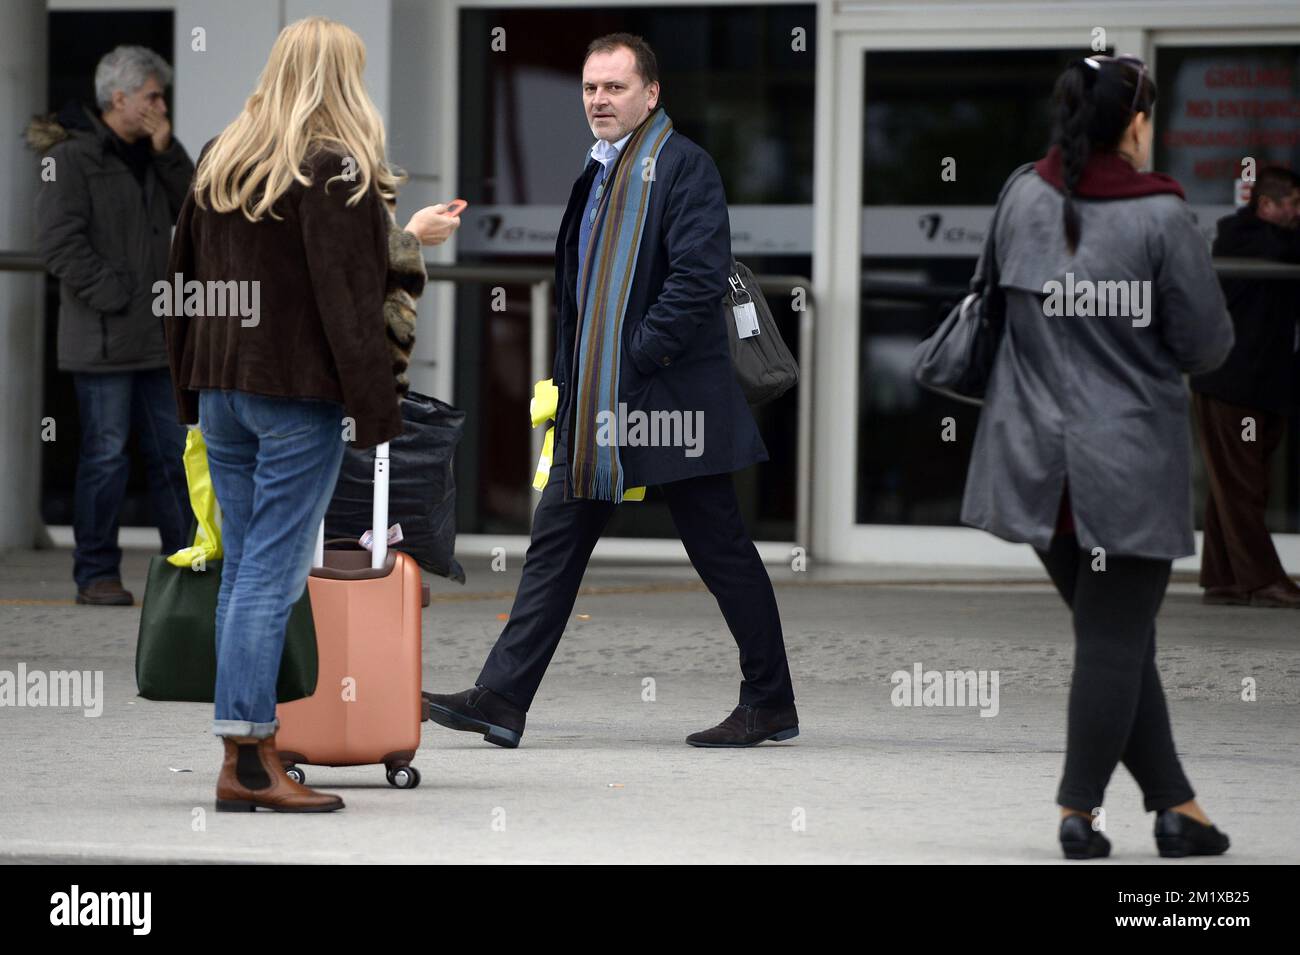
<point x="290" y="203"/>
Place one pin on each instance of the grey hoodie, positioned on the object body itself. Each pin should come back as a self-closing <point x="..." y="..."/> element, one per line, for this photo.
<point x="106" y="238"/>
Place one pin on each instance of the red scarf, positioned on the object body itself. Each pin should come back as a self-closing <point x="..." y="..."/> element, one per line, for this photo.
<point x="1107" y="176"/>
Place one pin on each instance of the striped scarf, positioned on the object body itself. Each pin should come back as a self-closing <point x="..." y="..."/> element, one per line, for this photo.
<point x="605" y="280"/>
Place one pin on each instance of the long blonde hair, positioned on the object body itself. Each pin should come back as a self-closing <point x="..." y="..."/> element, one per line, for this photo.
<point x="310" y="94"/>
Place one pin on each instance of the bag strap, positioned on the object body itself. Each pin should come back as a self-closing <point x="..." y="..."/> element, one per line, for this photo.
<point x="736" y="283"/>
<point x="987" y="277"/>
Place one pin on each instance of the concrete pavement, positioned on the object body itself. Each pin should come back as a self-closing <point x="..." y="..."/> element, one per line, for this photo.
<point x="603" y="776"/>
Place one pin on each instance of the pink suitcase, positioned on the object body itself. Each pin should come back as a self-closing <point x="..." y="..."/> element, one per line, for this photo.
<point x="367" y="705"/>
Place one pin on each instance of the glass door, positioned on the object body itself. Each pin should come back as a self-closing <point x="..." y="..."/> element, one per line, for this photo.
<point x="938" y="121"/>
<point x="1228" y="96"/>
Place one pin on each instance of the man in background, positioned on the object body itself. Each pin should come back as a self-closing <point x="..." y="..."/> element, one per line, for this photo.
<point x="112" y="181"/>
<point x="1241" y="408"/>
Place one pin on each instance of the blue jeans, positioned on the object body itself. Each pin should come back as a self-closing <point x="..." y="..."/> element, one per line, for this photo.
<point x="110" y="405"/>
<point x="274" y="463"/>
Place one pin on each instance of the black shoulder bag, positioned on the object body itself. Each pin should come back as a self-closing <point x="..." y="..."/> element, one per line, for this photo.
<point x="957" y="359"/>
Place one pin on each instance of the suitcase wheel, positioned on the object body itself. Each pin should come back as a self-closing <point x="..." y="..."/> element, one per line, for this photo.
<point x="296" y="774"/>
<point x="403" y="777"/>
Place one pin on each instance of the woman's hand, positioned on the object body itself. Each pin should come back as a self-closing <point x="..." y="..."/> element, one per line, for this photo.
<point x="432" y="226"/>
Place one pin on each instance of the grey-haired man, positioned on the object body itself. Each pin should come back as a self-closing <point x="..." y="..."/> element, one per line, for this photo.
<point x="111" y="182"/>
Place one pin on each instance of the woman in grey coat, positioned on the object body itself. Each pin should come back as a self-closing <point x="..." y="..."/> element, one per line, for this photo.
<point x="1084" y="446"/>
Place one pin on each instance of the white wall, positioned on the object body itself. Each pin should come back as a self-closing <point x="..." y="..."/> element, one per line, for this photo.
<point x="422" y="106"/>
<point x="212" y="85"/>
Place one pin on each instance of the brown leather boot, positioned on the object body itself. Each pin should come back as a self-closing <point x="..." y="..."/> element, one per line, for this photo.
<point x="252" y="776"/>
<point x="105" y="593"/>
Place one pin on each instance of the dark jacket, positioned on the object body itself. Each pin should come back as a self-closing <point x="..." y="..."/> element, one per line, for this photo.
<point x="105" y="236"/>
<point x="676" y="354"/>
<point x="322" y="273"/>
<point x="1262" y="369"/>
<point x="1097" y="401"/>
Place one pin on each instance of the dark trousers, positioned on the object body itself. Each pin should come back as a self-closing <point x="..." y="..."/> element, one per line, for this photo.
<point x="1117" y="709"/>
<point x="1238" y="553"/>
<point x="111" y="405"/>
<point x="707" y="517"/>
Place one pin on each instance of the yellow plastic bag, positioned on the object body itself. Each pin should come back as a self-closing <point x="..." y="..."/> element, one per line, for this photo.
<point x="542" y="408"/>
<point x="207" y="539"/>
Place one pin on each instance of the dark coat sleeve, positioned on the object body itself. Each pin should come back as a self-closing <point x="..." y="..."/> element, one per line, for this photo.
<point x="697" y="243"/>
<point x="63" y="238"/>
<point x="176" y="171"/>
<point x="347" y="257"/>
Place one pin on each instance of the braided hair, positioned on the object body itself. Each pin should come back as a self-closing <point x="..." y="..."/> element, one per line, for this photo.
<point x="1094" y="101"/>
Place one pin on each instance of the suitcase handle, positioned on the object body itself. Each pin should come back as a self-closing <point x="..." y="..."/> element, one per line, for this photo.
<point x="379" y="509"/>
<point x="378" y="517"/>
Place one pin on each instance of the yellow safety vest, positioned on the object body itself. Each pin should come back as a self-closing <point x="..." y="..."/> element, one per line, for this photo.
<point x="543" y="407"/>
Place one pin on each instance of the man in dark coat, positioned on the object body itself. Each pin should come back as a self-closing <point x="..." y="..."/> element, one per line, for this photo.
<point x="641" y="265"/>
<point x="1242" y="407"/>
<point x="111" y="186"/>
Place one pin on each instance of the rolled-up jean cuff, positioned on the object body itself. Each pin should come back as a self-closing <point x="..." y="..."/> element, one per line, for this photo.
<point x="244" y="728"/>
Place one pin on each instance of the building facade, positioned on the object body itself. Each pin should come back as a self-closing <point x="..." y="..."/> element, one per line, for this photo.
<point x="861" y="145"/>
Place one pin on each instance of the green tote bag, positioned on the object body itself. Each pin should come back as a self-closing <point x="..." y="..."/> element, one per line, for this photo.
<point x="176" y="655"/>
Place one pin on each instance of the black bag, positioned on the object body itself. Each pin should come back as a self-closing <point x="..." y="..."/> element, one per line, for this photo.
<point x="764" y="366"/>
<point x="421" y="488"/>
<point x="957" y="359"/>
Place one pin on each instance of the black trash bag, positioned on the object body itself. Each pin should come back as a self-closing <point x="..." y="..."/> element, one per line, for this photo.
<point x="421" y="486"/>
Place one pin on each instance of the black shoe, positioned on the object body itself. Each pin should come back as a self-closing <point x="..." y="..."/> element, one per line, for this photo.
<point x="478" y="711"/>
<point x="749" y="726"/>
<point x="1080" y="841"/>
<point x="1178" y="836"/>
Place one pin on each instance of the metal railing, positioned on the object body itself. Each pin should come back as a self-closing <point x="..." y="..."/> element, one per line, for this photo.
<point x="1224" y="267"/>
<point x="540" y="279"/>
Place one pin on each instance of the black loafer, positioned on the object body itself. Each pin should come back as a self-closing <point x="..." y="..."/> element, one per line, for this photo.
<point x="478" y="711"/>
<point x="749" y="726"/>
<point x="1080" y="841"/>
<point x="1178" y="836"/>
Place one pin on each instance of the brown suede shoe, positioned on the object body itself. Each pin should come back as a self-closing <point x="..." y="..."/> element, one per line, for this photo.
<point x="749" y="726"/>
<point x="1281" y="594"/>
<point x="105" y="593"/>
<point x="1225" y="596"/>
<point x="252" y="777"/>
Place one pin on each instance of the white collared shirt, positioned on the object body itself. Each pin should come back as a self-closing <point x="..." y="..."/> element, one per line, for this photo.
<point x="605" y="152"/>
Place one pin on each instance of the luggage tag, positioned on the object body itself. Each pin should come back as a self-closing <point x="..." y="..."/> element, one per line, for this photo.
<point x="743" y="311"/>
<point x="394" y="537"/>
